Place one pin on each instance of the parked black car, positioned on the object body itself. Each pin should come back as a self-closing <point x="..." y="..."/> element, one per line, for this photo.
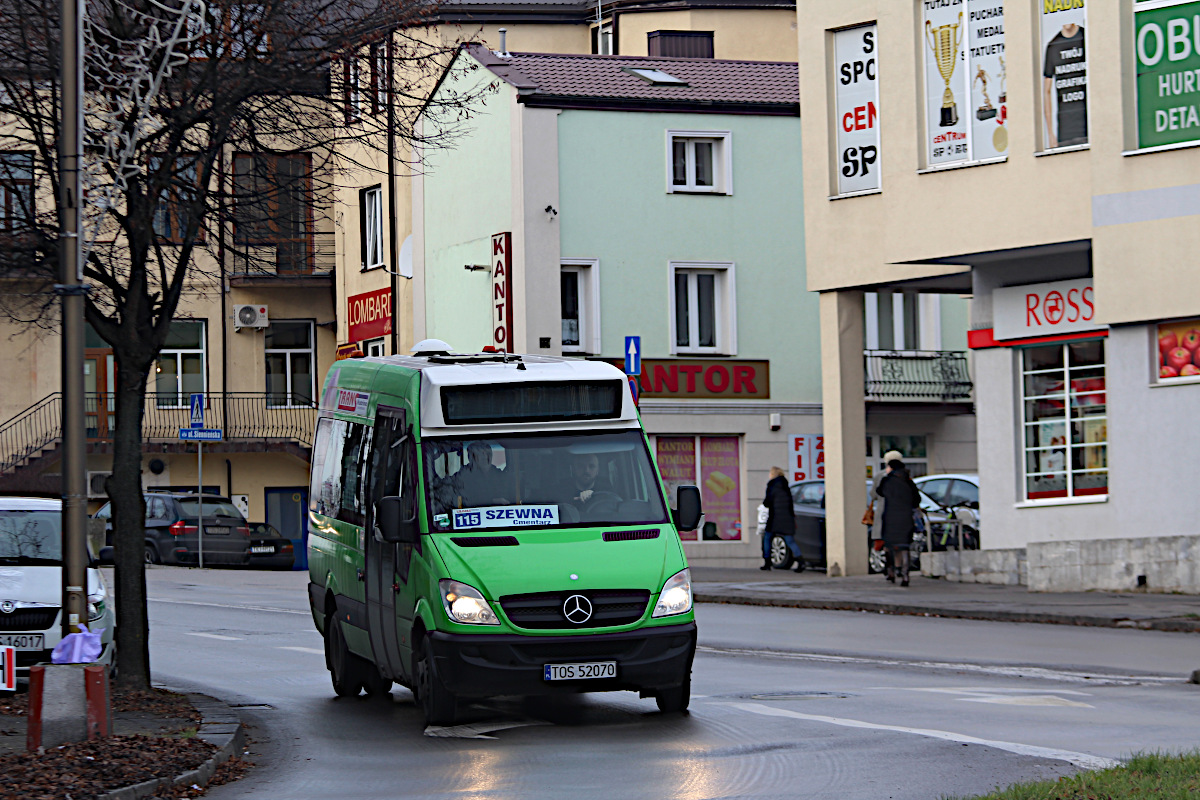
<point x="270" y="549"/>
<point x="173" y="533"/>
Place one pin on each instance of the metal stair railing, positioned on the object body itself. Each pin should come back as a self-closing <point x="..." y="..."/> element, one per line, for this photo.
<point x="30" y="431"/>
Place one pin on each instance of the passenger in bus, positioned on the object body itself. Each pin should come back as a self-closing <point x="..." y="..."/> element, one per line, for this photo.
<point x="478" y="483"/>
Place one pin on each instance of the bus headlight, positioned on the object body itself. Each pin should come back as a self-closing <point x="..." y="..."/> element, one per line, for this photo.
<point x="676" y="595"/>
<point x="465" y="604"/>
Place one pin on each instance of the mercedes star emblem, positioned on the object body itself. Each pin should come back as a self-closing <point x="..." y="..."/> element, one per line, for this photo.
<point x="8" y="606"/>
<point x="577" y="609"/>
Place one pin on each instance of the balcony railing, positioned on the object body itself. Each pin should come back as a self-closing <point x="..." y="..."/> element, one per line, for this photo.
<point x="312" y="254"/>
<point x="243" y="416"/>
<point x="909" y="376"/>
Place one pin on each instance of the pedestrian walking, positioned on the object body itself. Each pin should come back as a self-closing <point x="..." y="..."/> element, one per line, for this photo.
<point x="900" y="499"/>
<point x="780" y="520"/>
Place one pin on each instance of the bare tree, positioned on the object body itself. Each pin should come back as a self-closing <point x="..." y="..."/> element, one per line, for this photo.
<point x="260" y="77"/>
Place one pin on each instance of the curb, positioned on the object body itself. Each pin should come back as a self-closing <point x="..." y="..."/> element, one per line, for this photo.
<point x="1174" y="625"/>
<point x="219" y="726"/>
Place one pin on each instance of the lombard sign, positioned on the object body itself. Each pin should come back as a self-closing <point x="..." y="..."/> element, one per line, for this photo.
<point x="1044" y="309"/>
<point x="704" y="379"/>
<point x="370" y="315"/>
<point x="502" y="327"/>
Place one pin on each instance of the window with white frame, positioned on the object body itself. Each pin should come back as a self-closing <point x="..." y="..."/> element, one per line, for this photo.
<point x="702" y="308"/>
<point x="351" y="88"/>
<point x="373" y="347"/>
<point x="180" y="369"/>
<point x="699" y="162"/>
<point x="289" y="360"/>
<point x="370" y="224"/>
<point x="379" y="78"/>
<point x="1064" y="416"/>
<point x="580" y="305"/>
<point x="902" y="320"/>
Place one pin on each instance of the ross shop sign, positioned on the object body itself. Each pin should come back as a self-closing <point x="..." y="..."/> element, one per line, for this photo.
<point x="1044" y="309"/>
<point x="370" y="315"/>
<point x="1167" y="49"/>
<point x="502" y="327"/>
<point x="703" y="379"/>
<point x="856" y="109"/>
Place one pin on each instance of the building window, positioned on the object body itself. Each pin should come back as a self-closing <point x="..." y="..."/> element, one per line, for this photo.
<point x="273" y="211"/>
<point x="180" y="369"/>
<point x="290" y="360"/>
<point x="679" y="44"/>
<point x="899" y="320"/>
<point x="602" y="39"/>
<point x="379" y="78"/>
<point x="703" y="308"/>
<point x="374" y="347"/>
<point x="370" y="227"/>
<point x="1064" y="419"/>
<point x="914" y="448"/>
<point x="351" y="87"/>
<point x="170" y="212"/>
<point x="713" y="463"/>
<point x="699" y="162"/>
<point x="580" y="297"/>
<point x="16" y="205"/>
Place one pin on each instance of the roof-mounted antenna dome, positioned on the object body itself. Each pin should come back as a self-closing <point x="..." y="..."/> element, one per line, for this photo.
<point x="431" y="347"/>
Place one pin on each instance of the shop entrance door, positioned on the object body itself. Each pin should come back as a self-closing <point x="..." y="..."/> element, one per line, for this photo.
<point x="99" y="386"/>
<point x="287" y="511"/>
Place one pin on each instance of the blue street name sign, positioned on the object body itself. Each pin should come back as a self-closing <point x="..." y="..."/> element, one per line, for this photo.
<point x="633" y="355"/>
<point x="197" y="406"/>
<point x="201" y="434"/>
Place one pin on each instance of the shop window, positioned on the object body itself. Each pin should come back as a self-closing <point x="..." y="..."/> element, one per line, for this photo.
<point x="580" y="304"/>
<point x="703" y="318"/>
<point x="180" y="368"/>
<point x="712" y="463"/>
<point x="1179" y="352"/>
<point x="915" y="450"/>
<point x="370" y="227"/>
<point x="699" y="162"/>
<point x="1064" y="415"/>
<point x="289" y="362"/>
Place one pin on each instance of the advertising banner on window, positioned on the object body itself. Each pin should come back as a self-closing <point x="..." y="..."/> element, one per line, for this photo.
<point x="1179" y="350"/>
<point x="1167" y="44"/>
<point x="720" y="488"/>
<point x="676" y="457"/>
<point x="856" y="109"/>
<point x="966" y="90"/>
<point x="806" y="457"/>
<point x="1064" y="73"/>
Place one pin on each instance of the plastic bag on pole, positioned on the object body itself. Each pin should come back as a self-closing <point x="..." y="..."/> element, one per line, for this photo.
<point x="78" y="648"/>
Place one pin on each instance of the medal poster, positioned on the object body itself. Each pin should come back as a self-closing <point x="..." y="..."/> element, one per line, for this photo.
<point x="989" y="89"/>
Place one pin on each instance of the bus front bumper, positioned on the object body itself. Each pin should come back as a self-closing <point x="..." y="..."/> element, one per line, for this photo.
<point x="488" y="665"/>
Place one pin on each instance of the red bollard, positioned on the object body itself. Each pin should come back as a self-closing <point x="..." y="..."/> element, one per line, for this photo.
<point x="33" y="733"/>
<point x="99" y="707"/>
<point x="77" y="712"/>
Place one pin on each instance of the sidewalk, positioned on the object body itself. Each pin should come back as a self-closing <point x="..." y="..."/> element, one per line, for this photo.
<point x="936" y="597"/>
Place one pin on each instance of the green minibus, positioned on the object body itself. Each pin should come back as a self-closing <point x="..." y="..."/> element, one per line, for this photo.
<point x="491" y="524"/>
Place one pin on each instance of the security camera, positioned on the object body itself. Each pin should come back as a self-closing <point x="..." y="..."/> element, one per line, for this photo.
<point x="776" y="421"/>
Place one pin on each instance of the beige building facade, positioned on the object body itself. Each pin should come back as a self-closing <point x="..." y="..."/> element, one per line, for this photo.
<point x="1040" y="158"/>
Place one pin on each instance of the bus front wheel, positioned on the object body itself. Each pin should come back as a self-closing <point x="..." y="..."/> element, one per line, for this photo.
<point x="675" y="700"/>
<point x="344" y="669"/>
<point x="439" y="703"/>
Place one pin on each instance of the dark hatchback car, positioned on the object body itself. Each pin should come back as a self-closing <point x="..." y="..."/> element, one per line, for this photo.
<point x="270" y="549"/>
<point x="173" y="534"/>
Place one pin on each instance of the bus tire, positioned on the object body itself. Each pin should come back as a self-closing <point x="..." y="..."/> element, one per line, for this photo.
<point x="675" y="700"/>
<point x="344" y="668"/>
<point x="439" y="703"/>
<point x="374" y="684"/>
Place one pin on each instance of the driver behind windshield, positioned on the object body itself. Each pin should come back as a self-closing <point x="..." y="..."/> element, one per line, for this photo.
<point x="585" y="480"/>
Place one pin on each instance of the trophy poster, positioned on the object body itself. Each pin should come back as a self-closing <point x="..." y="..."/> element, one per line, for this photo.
<point x="1064" y="74"/>
<point x="947" y="96"/>
<point x="989" y="89"/>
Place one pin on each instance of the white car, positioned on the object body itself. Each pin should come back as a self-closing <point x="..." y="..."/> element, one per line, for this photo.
<point x="31" y="584"/>
<point x="947" y="490"/>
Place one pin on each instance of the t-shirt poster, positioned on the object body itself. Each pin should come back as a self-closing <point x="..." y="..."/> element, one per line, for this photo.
<point x="947" y="98"/>
<point x="720" y="488"/>
<point x="676" y="456"/>
<point x="1167" y="41"/>
<point x="989" y="79"/>
<point x="856" y="109"/>
<point x="1064" y="72"/>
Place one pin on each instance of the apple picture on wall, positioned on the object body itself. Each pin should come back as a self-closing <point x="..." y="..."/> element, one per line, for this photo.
<point x="1189" y="369"/>
<point x="1168" y="372"/>
<point x="1178" y="357"/>
<point x="1167" y="342"/>
<point x="1191" y="340"/>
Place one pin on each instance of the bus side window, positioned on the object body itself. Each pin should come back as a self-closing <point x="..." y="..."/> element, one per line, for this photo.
<point x="350" y="509"/>
<point x="325" y="490"/>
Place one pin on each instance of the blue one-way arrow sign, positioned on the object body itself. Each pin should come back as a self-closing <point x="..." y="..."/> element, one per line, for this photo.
<point x="633" y="355"/>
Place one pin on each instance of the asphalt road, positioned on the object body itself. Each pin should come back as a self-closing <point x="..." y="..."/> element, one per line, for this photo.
<point x="786" y="703"/>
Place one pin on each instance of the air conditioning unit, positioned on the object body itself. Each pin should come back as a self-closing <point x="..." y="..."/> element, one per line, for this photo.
<point x="250" y="317"/>
<point x="95" y="484"/>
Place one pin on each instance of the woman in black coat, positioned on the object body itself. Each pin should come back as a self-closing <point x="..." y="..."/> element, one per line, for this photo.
<point x="780" y="519"/>
<point x="900" y="499"/>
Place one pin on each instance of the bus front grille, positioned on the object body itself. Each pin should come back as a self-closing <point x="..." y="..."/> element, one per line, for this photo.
<point x="544" y="610"/>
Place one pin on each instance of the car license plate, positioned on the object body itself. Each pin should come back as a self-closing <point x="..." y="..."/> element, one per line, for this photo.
<point x="216" y="529"/>
<point x="574" y="672"/>
<point x="23" y="641"/>
<point x="265" y="548"/>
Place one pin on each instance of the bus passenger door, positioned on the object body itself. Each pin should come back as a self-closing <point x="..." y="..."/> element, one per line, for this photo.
<point x="386" y="563"/>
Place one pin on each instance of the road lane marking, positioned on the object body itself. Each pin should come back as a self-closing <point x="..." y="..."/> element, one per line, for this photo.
<point x="1011" y="697"/>
<point x="231" y="605"/>
<point x="312" y="650"/>
<point x="1043" y="673"/>
<point x="215" y="636"/>
<point x="1084" y="760"/>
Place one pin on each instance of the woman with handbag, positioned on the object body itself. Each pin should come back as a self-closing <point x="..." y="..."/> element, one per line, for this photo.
<point x="900" y="499"/>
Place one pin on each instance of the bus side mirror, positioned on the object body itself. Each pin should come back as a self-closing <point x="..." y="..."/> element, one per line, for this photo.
<point x="396" y="524"/>
<point x="687" y="508"/>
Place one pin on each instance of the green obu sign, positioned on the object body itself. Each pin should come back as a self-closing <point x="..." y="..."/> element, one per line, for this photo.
<point x="1167" y="48"/>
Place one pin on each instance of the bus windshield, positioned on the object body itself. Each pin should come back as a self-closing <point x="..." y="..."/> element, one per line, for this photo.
<point x="541" y="480"/>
